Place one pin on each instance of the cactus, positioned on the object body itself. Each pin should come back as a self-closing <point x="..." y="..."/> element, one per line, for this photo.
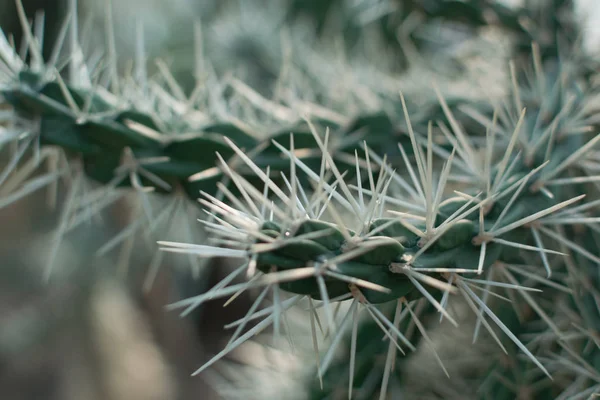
<point x="377" y="214"/>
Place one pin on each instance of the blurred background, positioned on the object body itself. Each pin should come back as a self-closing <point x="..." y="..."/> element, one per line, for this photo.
<point x="98" y="330"/>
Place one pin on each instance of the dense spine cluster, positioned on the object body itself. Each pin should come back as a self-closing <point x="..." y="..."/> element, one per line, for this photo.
<point x="375" y="223"/>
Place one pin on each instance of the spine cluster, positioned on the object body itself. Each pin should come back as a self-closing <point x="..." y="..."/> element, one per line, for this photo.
<point x="384" y="215"/>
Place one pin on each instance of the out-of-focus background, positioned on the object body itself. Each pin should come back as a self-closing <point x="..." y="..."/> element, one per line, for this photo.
<point x="94" y="331"/>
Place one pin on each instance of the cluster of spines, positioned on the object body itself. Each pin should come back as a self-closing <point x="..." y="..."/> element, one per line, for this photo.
<point x="131" y="132"/>
<point x="329" y="262"/>
<point x="419" y="226"/>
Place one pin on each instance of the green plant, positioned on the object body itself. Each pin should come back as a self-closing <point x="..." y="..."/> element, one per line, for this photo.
<point x="345" y="201"/>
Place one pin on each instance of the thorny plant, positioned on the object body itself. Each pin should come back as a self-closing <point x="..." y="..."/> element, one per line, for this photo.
<point x="321" y="214"/>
